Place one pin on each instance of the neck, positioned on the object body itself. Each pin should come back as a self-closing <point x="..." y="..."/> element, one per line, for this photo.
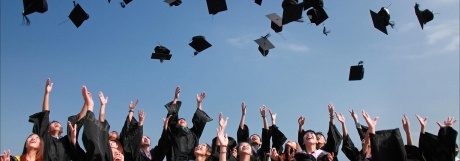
<point x="244" y="157"/>
<point x="145" y="148"/>
<point x="54" y="133"/>
<point x="255" y="145"/>
<point x="200" y="158"/>
<point x="310" y="148"/>
<point x="30" y="156"/>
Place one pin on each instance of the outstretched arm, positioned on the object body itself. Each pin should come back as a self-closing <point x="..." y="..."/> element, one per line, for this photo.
<point x="406" y="126"/>
<point x="264" y="119"/>
<point x="199" y="99"/>
<point x="176" y="95"/>
<point x="422" y="123"/>
<point x="342" y="121"/>
<point x="272" y="116"/>
<point x="330" y="108"/>
<point x="243" y="115"/>
<point x="132" y="105"/>
<point x="104" y="101"/>
<point x="370" y="122"/>
<point x="48" y="88"/>
<point x="84" y="92"/>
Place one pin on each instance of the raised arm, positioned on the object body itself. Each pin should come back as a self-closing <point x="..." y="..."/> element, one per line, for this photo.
<point x="223" y="140"/>
<point x="406" y="127"/>
<point x="82" y="113"/>
<point x="176" y="95"/>
<point x="48" y="88"/>
<point x="301" y="121"/>
<point x="88" y="97"/>
<point x="200" y="118"/>
<point x="330" y="108"/>
<point x="422" y="123"/>
<point x="132" y="105"/>
<point x="272" y="116"/>
<point x="243" y="115"/>
<point x="73" y="134"/>
<point x="342" y="121"/>
<point x="199" y="99"/>
<point x="263" y="110"/>
<point x="104" y="101"/>
<point x="370" y="122"/>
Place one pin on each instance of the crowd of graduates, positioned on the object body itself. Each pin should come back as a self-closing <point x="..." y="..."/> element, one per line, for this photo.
<point x="178" y="142"/>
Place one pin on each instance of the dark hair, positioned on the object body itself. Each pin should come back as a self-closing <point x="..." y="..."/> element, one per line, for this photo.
<point x="60" y="130"/>
<point x="38" y="155"/>
<point x="320" y="133"/>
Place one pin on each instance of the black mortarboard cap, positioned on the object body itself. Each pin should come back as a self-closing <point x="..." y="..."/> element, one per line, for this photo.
<point x="124" y="3"/>
<point x="379" y="22"/>
<point x="356" y="72"/>
<point x="264" y="45"/>
<point x="303" y="157"/>
<point x="292" y="13"/>
<point x="312" y="3"/>
<point x="161" y="53"/>
<point x="317" y="15"/>
<point x="199" y="43"/>
<point x="259" y="2"/>
<point x="216" y="6"/>
<point x="276" y="22"/>
<point x="423" y="16"/>
<point x="31" y="6"/>
<point x="288" y="3"/>
<point x="78" y="15"/>
<point x="173" y="2"/>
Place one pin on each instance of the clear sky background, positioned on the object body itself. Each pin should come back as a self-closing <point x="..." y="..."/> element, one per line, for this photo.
<point x="410" y="71"/>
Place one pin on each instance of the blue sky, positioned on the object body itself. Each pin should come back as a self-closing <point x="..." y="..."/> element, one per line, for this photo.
<point x="410" y="71"/>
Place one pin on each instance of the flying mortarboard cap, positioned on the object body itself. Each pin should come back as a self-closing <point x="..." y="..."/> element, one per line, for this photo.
<point x="379" y="22"/>
<point x="356" y="72"/>
<point x="292" y="13"/>
<point x="317" y="15"/>
<point x="423" y="16"/>
<point x="264" y="44"/>
<point x="276" y="22"/>
<point x="31" y="6"/>
<point x="312" y="3"/>
<point x="78" y="15"/>
<point x="173" y="2"/>
<point x="259" y="2"/>
<point x="216" y="6"/>
<point x="199" y="43"/>
<point x="161" y="53"/>
<point x="124" y="3"/>
<point x="287" y="3"/>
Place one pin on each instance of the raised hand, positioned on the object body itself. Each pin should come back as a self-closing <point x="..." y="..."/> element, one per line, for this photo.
<point x="200" y="97"/>
<point x="301" y="120"/>
<point x="141" y="114"/>
<point x="330" y="108"/>
<point x="243" y="109"/>
<point x="166" y="121"/>
<point x="354" y="115"/>
<point x="421" y="120"/>
<point x="104" y="100"/>
<point x="273" y="116"/>
<point x="330" y="157"/>
<point x="5" y="156"/>
<point x="448" y="123"/>
<point x="73" y="133"/>
<point x="223" y="138"/>
<point x="88" y="97"/>
<point x="177" y="92"/>
<point x="406" y="124"/>
<point x="133" y="105"/>
<point x="263" y="110"/>
<point x="370" y="122"/>
<point x="340" y="117"/>
<point x="222" y="122"/>
<point x="48" y="86"/>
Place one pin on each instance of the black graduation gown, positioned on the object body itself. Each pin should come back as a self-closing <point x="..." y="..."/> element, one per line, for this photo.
<point x="414" y="153"/>
<point x="334" y="139"/>
<point x="242" y="135"/>
<point x="352" y="153"/>
<point x="55" y="149"/>
<point x="441" y="147"/>
<point x="96" y="139"/>
<point x="302" y="156"/>
<point x="184" y="140"/>
<point x="278" y="138"/>
<point x="387" y="145"/>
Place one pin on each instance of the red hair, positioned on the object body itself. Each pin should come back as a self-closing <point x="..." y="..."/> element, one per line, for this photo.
<point x="38" y="155"/>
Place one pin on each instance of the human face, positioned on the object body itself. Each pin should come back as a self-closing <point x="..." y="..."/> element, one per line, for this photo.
<point x="202" y="149"/>
<point x="113" y="135"/>
<point x="321" y="139"/>
<point x="117" y="155"/>
<point x="254" y="139"/>
<point x="182" y="123"/>
<point x="145" y="141"/>
<point x="33" y="142"/>
<point x="310" y="138"/>
<point x="55" y="127"/>
<point x="245" y="149"/>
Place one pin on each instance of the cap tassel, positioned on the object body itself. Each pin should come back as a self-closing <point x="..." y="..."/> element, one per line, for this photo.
<point x="25" y="20"/>
<point x="392" y="24"/>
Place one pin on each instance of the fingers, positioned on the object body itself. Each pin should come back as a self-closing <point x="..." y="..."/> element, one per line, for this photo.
<point x="439" y="124"/>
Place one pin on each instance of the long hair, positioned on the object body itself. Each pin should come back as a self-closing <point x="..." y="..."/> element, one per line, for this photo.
<point x="39" y="155"/>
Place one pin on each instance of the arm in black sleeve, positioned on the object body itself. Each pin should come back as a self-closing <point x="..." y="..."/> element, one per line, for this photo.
<point x="132" y="140"/>
<point x="427" y="144"/>
<point x="349" y="149"/>
<point x="265" y="148"/>
<point x="159" y="152"/>
<point x="95" y="138"/>
<point x="75" y="152"/>
<point x="300" y="139"/>
<point x="334" y="138"/>
<point x="173" y="109"/>
<point x="446" y="143"/>
<point x="41" y="122"/>
<point x="278" y="138"/>
<point x="200" y="118"/>
<point x="242" y="135"/>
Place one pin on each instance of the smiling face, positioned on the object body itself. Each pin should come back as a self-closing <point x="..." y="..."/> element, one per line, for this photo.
<point x="254" y="140"/>
<point x="182" y="123"/>
<point x="310" y="138"/>
<point x="55" y="128"/>
<point x="145" y="141"/>
<point x="33" y="142"/>
<point x="321" y="140"/>
<point x="244" y="149"/>
<point x="117" y="155"/>
<point x="202" y="150"/>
